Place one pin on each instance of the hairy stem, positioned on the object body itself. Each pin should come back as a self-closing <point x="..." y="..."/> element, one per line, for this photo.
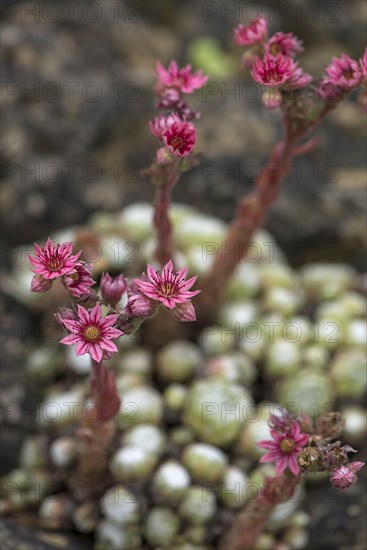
<point x="162" y="223"/>
<point x="250" y="522"/>
<point x="97" y="429"/>
<point x="250" y="215"/>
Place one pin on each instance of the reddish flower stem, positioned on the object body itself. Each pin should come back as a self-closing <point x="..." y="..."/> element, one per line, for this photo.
<point x="250" y="215"/>
<point x="250" y="522"/>
<point x="162" y="223"/>
<point x="98" y="427"/>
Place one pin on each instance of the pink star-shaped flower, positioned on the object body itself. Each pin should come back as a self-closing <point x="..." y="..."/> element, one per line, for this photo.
<point x="284" y="448"/>
<point x="183" y="79"/>
<point x="168" y="287"/>
<point x="91" y="333"/>
<point x="53" y="260"/>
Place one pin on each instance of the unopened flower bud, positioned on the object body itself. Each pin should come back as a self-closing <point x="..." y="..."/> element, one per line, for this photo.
<point x="112" y="289"/>
<point x="184" y="312"/>
<point x="345" y="476"/>
<point x="164" y="156"/>
<point x="39" y="284"/>
<point x="272" y="98"/>
<point x="63" y="314"/>
<point x="140" y="306"/>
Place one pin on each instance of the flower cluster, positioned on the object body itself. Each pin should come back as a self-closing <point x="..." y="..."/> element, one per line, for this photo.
<point x="58" y="261"/>
<point x="271" y="60"/>
<point x="300" y="447"/>
<point x="175" y="131"/>
<point x="272" y="63"/>
<point x="343" y="75"/>
<point x="88" y="329"/>
<point x="172" y="83"/>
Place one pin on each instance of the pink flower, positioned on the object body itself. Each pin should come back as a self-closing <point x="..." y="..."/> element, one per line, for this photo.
<point x="160" y="124"/>
<point x="79" y="280"/>
<point x="167" y="287"/>
<point x="329" y="91"/>
<point x="113" y="289"/>
<point x="345" y="476"/>
<point x="279" y="70"/>
<point x="284" y="43"/>
<point x="284" y="448"/>
<point x="177" y="135"/>
<point x="184" y="312"/>
<point x="182" y="79"/>
<point x="344" y="72"/>
<point x="273" y="71"/>
<point x="91" y="333"/>
<point x="180" y="138"/>
<point x="255" y="32"/>
<point x="53" y="261"/>
<point x="39" y="284"/>
<point x="299" y="79"/>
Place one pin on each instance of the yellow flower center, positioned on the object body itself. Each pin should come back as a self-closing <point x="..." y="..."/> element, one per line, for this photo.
<point x="55" y="264"/>
<point x="167" y="289"/>
<point x="92" y="333"/>
<point x="75" y="277"/>
<point x="177" y="142"/>
<point x="287" y="445"/>
<point x="275" y="48"/>
<point x="348" y="74"/>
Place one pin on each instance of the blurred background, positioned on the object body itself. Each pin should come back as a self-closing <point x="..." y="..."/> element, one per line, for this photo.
<point x="77" y="97"/>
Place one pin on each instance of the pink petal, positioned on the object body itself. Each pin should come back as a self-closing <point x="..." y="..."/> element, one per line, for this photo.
<point x="108" y="345"/>
<point x="267" y="458"/>
<point x="265" y="444"/>
<point x="181" y="274"/>
<point x="189" y="283"/>
<point x="70" y="339"/>
<point x="96" y="352"/>
<point x="153" y="275"/>
<point x="108" y="321"/>
<point x="293" y="466"/>
<point x="74" y="326"/>
<point x="82" y="348"/>
<point x="281" y="465"/>
<point x="83" y="314"/>
<point x="168" y="302"/>
<point x="96" y="313"/>
<point x="113" y="333"/>
<point x="168" y="266"/>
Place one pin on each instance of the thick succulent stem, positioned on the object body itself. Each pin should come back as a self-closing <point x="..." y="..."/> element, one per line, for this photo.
<point x="250" y="522"/>
<point x="162" y="224"/>
<point x="250" y="215"/>
<point x="97" y="430"/>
